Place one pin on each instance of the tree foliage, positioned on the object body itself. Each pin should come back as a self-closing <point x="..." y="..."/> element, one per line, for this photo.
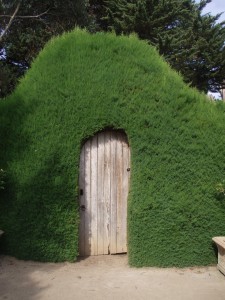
<point x="35" y="23"/>
<point x="191" y="42"/>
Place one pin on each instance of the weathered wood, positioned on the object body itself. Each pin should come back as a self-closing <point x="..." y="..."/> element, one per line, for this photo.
<point x="94" y="194"/>
<point x="82" y="202"/>
<point x="100" y="199"/>
<point x="107" y="192"/>
<point x="119" y="194"/>
<point x="125" y="190"/>
<point x="113" y="206"/>
<point x="87" y="190"/>
<point x="104" y="179"/>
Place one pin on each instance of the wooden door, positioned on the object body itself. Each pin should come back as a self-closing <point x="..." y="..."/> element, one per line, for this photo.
<point x="104" y="184"/>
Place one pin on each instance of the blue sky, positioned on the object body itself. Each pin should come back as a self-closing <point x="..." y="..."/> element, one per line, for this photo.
<point x="215" y="7"/>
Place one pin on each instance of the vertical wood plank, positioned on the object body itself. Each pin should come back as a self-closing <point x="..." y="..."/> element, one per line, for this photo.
<point x="125" y="190"/>
<point x="107" y="192"/>
<point x="100" y="191"/>
<point x="113" y="213"/>
<point x="94" y="195"/>
<point x="87" y="197"/>
<point x="82" y="203"/>
<point x="119" y="193"/>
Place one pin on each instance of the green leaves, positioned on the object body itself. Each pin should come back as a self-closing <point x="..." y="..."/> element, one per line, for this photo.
<point x="2" y="179"/>
<point x="192" y="43"/>
<point x="80" y="84"/>
<point x="34" y="24"/>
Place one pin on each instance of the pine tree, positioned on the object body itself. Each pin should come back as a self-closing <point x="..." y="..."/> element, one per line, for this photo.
<point x="192" y="43"/>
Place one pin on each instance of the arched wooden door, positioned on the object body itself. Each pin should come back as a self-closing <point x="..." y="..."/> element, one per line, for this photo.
<point x="104" y="184"/>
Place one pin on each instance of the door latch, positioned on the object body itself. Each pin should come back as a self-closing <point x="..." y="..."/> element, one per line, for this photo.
<point x="82" y="207"/>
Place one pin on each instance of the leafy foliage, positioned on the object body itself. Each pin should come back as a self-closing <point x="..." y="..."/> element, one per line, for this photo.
<point x="192" y="43"/>
<point x="35" y="23"/>
<point x="2" y="179"/>
<point x="220" y="188"/>
<point x="78" y="85"/>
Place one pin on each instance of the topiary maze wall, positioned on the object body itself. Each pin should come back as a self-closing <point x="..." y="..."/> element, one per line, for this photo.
<point x="79" y="85"/>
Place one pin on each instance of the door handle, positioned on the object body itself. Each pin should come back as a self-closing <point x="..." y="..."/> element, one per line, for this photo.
<point x="82" y="207"/>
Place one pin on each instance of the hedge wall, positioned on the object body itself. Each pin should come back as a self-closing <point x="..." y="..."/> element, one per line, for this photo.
<point x="79" y="85"/>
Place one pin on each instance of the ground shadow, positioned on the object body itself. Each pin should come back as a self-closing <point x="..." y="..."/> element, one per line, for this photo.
<point x="19" y="280"/>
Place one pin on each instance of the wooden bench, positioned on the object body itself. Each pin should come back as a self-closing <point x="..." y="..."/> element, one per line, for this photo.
<point x="220" y="242"/>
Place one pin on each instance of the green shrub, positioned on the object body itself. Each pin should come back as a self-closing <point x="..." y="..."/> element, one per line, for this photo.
<point x="2" y="179"/>
<point x="79" y="85"/>
<point x="220" y="189"/>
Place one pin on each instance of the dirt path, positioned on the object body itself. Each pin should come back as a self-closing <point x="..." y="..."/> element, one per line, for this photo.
<point x="106" y="277"/>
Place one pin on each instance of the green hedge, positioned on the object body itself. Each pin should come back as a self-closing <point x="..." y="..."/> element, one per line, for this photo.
<point x="79" y="85"/>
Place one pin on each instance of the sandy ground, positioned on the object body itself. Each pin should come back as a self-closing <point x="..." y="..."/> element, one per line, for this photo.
<point x="106" y="277"/>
